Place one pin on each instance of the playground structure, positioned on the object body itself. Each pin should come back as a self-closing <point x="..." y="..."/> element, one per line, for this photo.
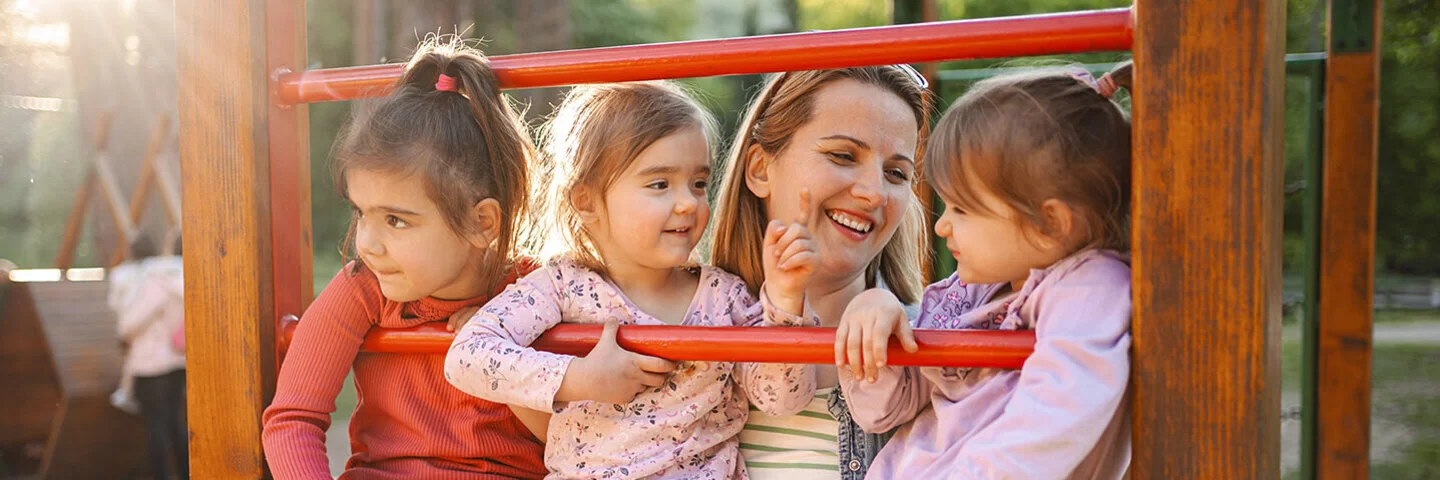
<point x="1208" y="118"/>
<point x="59" y="355"/>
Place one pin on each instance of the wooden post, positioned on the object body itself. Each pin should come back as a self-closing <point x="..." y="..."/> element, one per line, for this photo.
<point x="76" y="222"/>
<point x="1208" y="124"/>
<point x="71" y="238"/>
<point x="225" y="176"/>
<point x="1347" y="240"/>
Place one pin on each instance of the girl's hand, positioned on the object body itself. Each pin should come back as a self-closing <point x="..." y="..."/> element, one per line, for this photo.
<point x="865" y="329"/>
<point x="791" y="258"/>
<point x="461" y="317"/>
<point x="612" y="374"/>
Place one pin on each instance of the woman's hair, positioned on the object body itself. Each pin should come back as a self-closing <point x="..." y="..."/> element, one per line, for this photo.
<point x="458" y="133"/>
<point x="1035" y="136"/>
<point x="786" y="103"/>
<point x="596" y="134"/>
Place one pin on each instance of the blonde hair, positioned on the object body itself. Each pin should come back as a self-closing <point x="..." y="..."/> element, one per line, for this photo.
<point x="1034" y="136"/>
<point x="786" y="103"/>
<point x="468" y="145"/>
<point x="595" y="135"/>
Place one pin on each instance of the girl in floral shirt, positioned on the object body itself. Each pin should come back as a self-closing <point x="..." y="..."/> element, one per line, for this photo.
<point x="629" y="167"/>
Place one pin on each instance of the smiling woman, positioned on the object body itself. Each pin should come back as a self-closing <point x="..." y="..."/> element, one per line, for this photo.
<point x="850" y="138"/>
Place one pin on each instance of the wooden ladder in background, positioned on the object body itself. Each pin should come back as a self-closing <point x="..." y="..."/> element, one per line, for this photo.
<point x="124" y="214"/>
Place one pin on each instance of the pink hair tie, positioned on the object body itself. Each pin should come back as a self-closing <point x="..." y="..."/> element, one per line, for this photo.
<point x="1106" y="86"/>
<point x="445" y="83"/>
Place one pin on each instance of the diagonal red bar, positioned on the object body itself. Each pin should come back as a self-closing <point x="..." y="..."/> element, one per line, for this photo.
<point x="1075" y="32"/>
<point x="938" y="348"/>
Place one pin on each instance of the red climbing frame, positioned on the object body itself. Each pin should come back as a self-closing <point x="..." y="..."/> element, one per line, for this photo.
<point x="1206" y="274"/>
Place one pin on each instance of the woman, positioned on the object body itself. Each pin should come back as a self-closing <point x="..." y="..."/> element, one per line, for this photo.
<point x="850" y="138"/>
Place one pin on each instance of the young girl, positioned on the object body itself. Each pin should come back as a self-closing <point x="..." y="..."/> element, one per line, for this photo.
<point x="1035" y="173"/>
<point x="627" y="195"/>
<point x="437" y="174"/>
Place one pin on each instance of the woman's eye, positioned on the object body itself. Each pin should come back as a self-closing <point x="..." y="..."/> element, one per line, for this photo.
<point x="841" y="157"/>
<point x="659" y="185"/>
<point x="395" y="221"/>
<point x="899" y="174"/>
<point x="957" y="210"/>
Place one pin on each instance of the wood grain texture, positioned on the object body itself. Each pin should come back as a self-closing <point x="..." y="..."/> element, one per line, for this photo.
<point x="1208" y="125"/>
<point x="1347" y="262"/>
<point x="225" y="190"/>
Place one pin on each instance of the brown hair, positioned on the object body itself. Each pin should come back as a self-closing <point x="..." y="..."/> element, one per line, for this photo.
<point x="786" y="103"/>
<point x="595" y="135"/>
<point x="467" y="144"/>
<point x="1035" y="136"/>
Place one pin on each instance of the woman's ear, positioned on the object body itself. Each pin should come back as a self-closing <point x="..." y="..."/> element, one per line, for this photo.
<point x="488" y="220"/>
<point x="1060" y="224"/>
<point x="757" y="170"/>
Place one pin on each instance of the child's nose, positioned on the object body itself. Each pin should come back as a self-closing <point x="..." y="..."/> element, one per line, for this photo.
<point x="942" y="227"/>
<point x="686" y="203"/>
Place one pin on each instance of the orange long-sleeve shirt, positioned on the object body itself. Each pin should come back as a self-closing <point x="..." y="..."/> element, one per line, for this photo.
<point x="408" y="421"/>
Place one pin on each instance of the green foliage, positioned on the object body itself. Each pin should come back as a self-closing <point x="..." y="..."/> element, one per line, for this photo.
<point x="602" y="23"/>
<point x="1408" y="206"/>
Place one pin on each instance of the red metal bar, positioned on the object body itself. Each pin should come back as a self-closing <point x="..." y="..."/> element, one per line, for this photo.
<point x="1075" y="32"/>
<point x="938" y="348"/>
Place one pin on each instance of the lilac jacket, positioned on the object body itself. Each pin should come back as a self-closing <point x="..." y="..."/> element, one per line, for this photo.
<point x="1063" y="415"/>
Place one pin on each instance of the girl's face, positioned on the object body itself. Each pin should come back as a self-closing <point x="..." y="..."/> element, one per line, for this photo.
<point x="403" y="238"/>
<point x="655" y="212"/>
<point x="992" y="247"/>
<point x="856" y="157"/>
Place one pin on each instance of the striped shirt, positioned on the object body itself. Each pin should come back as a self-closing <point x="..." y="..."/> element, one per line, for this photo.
<point x="792" y="447"/>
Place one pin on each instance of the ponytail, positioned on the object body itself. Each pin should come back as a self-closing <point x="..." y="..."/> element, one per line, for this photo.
<point x="446" y="119"/>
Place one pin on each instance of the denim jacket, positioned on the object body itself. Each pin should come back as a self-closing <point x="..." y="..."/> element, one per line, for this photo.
<point x="857" y="449"/>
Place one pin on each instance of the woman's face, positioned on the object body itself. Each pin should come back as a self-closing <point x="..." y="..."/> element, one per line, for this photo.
<point x="856" y="158"/>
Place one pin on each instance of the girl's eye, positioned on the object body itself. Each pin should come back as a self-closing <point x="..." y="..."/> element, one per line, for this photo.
<point x="841" y="157"/>
<point x="899" y="174"/>
<point x="957" y="210"/>
<point x="659" y="185"/>
<point x="701" y="184"/>
<point x="395" y="222"/>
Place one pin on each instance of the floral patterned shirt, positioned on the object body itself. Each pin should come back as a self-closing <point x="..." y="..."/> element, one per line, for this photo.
<point x="684" y="429"/>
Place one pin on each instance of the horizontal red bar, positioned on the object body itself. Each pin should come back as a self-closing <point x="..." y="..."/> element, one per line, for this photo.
<point x="1075" y="32"/>
<point x="938" y="348"/>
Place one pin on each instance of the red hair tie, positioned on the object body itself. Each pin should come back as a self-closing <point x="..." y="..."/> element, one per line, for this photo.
<point x="445" y="83"/>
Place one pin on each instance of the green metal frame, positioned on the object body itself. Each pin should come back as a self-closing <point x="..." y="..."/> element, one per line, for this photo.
<point x="1311" y="66"/>
<point x="1352" y="25"/>
<point x="1314" y="69"/>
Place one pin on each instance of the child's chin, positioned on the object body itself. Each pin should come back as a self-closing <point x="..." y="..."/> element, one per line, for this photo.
<point x="397" y="294"/>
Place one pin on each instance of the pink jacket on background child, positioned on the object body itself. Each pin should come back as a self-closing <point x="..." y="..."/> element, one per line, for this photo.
<point x="1064" y="415"/>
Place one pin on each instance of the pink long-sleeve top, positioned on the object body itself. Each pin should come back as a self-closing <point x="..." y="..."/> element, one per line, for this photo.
<point x="408" y="423"/>
<point x="1063" y="415"/>
<point x="684" y="429"/>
